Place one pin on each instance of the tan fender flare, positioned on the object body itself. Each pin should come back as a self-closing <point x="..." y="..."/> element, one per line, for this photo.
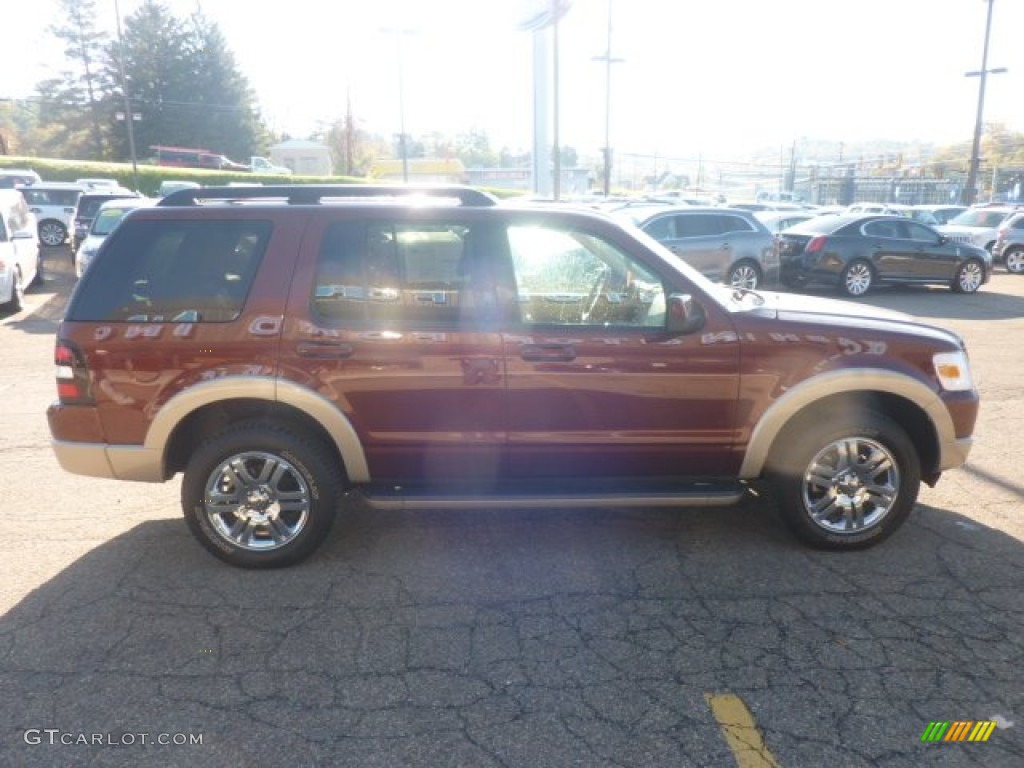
<point x="849" y="381"/>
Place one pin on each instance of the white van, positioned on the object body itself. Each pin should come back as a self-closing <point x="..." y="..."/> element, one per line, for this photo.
<point x="19" y="249"/>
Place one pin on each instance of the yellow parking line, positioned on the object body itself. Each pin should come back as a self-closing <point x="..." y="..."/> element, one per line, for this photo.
<point x="740" y="731"/>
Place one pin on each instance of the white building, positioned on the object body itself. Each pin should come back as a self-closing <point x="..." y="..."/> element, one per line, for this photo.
<point x="305" y="158"/>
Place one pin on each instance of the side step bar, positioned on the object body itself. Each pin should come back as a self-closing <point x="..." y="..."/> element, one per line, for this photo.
<point x="702" y="495"/>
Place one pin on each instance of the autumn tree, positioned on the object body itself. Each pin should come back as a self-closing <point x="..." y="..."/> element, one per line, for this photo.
<point x="70" y="106"/>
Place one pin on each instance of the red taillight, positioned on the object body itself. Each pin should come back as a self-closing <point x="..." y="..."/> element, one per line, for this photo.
<point x="817" y="244"/>
<point x="73" y="386"/>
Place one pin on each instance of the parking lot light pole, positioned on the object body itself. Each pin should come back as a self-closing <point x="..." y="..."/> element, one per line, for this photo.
<point x="983" y="73"/>
<point x="608" y="60"/>
<point x="129" y="115"/>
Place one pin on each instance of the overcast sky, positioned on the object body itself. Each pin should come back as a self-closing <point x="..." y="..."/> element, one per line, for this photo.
<point x="697" y="76"/>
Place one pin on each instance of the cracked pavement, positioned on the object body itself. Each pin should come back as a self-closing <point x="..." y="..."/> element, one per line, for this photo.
<point x="497" y="639"/>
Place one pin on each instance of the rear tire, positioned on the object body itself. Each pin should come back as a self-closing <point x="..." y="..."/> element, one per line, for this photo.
<point x="845" y="485"/>
<point x="259" y="495"/>
<point x="1014" y="260"/>
<point x="857" y="279"/>
<point x="52" y="233"/>
<point x="744" y="274"/>
<point x="17" y="300"/>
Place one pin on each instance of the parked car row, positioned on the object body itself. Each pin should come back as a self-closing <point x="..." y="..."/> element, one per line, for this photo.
<point x="19" y="249"/>
<point x="854" y="250"/>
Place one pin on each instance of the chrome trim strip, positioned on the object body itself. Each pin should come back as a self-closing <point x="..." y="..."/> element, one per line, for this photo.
<point x="399" y="503"/>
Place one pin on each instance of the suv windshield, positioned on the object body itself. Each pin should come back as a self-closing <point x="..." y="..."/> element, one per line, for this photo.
<point x="979" y="218"/>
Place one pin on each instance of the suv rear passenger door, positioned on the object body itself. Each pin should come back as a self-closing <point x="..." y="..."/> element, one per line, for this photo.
<point x="391" y="321"/>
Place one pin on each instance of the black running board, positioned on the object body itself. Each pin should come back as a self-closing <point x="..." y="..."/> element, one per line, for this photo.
<point x="697" y="495"/>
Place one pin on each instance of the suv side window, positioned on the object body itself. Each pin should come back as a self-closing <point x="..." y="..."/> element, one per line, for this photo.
<point x="728" y="223"/>
<point x="915" y="231"/>
<point x="567" y="277"/>
<point x="173" y="271"/>
<point x="661" y="228"/>
<point x="420" y="273"/>
<point x="697" y="225"/>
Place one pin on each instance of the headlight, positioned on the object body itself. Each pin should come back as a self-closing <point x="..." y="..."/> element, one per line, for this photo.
<point x="953" y="371"/>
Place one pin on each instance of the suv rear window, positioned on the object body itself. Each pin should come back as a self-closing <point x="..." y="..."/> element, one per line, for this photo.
<point x="423" y="273"/>
<point x="64" y="197"/>
<point x="172" y="271"/>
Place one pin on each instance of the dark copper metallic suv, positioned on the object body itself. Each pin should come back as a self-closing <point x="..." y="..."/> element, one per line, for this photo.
<point x="288" y="348"/>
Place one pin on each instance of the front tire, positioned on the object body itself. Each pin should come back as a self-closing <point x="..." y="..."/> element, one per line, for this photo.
<point x="846" y="485"/>
<point x="857" y="279"/>
<point x="969" y="277"/>
<point x="260" y="495"/>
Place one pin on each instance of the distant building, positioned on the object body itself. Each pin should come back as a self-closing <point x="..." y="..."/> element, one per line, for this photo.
<point x="305" y="158"/>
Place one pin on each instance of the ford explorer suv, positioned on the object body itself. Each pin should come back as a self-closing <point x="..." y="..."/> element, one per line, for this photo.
<point x="296" y="350"/>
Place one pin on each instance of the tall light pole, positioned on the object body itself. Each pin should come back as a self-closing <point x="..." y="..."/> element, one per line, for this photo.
<point x="983" y="73"/>
<point x="608" y="60"/>
<point x="403" y="146"/>
<point x="129" y="117"/>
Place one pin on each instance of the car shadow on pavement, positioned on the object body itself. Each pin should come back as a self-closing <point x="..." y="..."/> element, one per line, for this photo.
<point x="939" y="302"/>
<point x="520" y="639"/>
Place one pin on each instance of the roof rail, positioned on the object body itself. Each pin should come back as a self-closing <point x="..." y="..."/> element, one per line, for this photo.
<point x="315" y="194"/>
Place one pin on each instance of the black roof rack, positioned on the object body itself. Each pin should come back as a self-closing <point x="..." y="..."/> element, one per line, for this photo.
<point x="316" y="194"/>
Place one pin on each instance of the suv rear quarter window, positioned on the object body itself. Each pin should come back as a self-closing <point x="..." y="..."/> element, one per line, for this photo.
<point x="419" y="273"/>
<point x="172" y="271"/>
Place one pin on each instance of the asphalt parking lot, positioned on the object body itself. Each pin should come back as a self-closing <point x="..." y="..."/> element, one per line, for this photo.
<point x="544" y="639"/>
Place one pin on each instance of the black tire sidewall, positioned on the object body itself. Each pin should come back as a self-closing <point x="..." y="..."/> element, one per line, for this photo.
<point x="786" y="475"/>
<point x="309" y="457"/>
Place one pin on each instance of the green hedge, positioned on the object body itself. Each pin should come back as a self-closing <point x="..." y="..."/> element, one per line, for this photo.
<point x="150" y="176"/>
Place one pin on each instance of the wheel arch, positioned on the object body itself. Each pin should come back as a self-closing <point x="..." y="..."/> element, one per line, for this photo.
<point x="192" y="416"/>
<point x="917" y="409"/>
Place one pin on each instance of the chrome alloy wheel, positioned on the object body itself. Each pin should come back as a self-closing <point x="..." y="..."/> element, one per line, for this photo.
<point x="257" y="501"/>
<point x="52" y="233"/>
<point x="857" y="278"/>
<point x="850" y="485"/>
<point x="970" y="277"/>
<point x="1015" y="261"/>
<point x="744" y="276"/>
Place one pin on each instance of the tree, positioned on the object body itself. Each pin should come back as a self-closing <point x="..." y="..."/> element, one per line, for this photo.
<point x="70" y="105"/>
<point x="226" y="106"/>
<point x="473" y="148"/>
<point x="182" y="78"/>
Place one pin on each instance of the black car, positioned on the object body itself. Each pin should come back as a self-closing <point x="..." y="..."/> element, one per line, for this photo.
<point x="854" y="253"/>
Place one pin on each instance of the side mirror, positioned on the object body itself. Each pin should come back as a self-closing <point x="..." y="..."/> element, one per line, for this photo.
<point x="684" y="314"/>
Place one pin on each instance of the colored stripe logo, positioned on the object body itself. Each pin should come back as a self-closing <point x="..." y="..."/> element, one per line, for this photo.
<point x="958" y="730"/>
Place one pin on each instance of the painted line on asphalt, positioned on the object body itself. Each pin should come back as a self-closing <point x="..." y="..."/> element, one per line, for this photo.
<point x="740" y="731"/>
